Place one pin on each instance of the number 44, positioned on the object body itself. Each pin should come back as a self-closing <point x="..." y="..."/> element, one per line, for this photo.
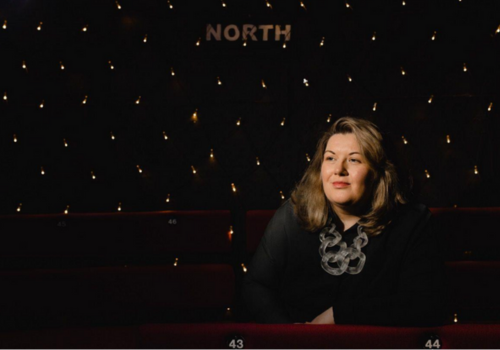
<point x="431" y="345"/>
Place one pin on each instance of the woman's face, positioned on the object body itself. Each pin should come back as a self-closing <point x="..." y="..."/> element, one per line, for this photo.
<point x="345" y="173"/>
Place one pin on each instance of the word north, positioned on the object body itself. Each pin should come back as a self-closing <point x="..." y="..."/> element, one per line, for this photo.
<point x="232" y="32"/>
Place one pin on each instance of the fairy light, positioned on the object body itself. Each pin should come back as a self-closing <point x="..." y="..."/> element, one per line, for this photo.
<point x="322" y="43"/>
<point x="15" y="138"/>
<point x="211" y="153"/>
<point x="19" y="207"/>
<point x="172" y="71"/>
<point x="168" y="198"/>
<point x="258" y="161"/>
<point x="92" y="174"/>
<point x="307" y="157"/>
<point x="145" y="38"/>
<point x="5" y="96"/>
<point x="176" y="261"/>
<point x="264" y="86"/>
<point x="118" y="6"/>
<point x="374" y="36"/>
<point x="112" y="136"/>
<point x="347" y="5"/>
<point x="282" y="195"/>
<point x="170" y="5"/>
<point x="233" y="187"/>
<point x="62" y="65"/>
<point x="138" y="100"/>
<point x="65" y="143"/>
<point x="496" y="32"/>
<point x="218" y="81"/>
<point x="283" y="122"/>
<point x="303" y="6"/>
<point x="244" y="268"/>
<point x="194" y="170"/>
<point x="5" y="24"/>
<point x="489" y="107"/>
<point x="165" y="135"/>
<point x="284" y="44"/>
<point x="85" y="28"/>
<point x="84" y="102"/>
<point x="405" y="141"/>
<point x="231" y="232"/>
<point x="223" y="3"/>
<point x="119" y="206"/>
<point x="24" y="66"/>
<point x="198" y="42"/>
<point x="404" y="3"/>
<point x="475" y="170"/>
<point x="403" y="71"/>
<point x="66" y="210"/>
<point x="349" y="78"/>
<point x="433" y="36"/>
<point x="238" y="122"/>
<point x="427" y="174"/>
<point x="139" y="169"/>
<point x="430" y="99"/>
<point x="268" y="4"/>
<point x="39" y="28"/>
<point x="448" y="139"/>
<point x="306" y="82"/>
<point x="465" y="67"/>
<point x="455" y="318"/>
<point x="245" y="42"/>
<point x="111" y="65"/>
<point x="41" y="104"/>
<point x="194" y="117"/>
<point x="329" y="119"/>
<point x="375" y="107"/>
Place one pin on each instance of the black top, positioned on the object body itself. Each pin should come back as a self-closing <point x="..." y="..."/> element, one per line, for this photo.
<point x="401" y="284"/>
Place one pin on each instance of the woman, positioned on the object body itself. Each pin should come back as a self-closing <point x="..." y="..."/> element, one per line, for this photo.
<point x="347" y="248"/>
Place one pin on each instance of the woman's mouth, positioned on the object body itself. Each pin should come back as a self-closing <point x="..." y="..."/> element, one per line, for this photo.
<point x="340" y="184"/>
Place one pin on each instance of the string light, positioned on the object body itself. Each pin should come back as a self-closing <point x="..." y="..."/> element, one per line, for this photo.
<point x="375" y="107"/>
<point x="283" y="122"/>
<point x="465" y="68"/>
<point x="168" y="198"/>
<point x="475" y="170"/>
<point x="170" y="5"/>
<point x="198" y="42"/>
<point x="306" y="82"/>
<point x="349" y="78"/>
<point x="139" y="169"/>
<point x="244" y="268"/>
<point x="405" y="141"/>
<point x="211" y="153"/>
<point x="62" y="65"/>
<point x="238" y="122"/>
<point x="84" y="102"/>
<point x="427" y="174"/>
<point x="172" y="71"/>
<point x="39" y="28"/>
<point x="284" y="44"/>
<point x="5" y="96"/>
<point x="223" y="3"/>
<point x="111" y="65"/>
<point x="489" y="107"/>
<point x="307" y="157"/>
<point x="303" y="6"/>
<point x="329" y="119"/>
<point x="496" y="32"/>
<point x="145" y="39"/>
<point x="322" y="43"/>
<point x="92" y="174"/>
<point x="176" y="261"/>
<point x="245" y="42"/>
<point x="118" y="5"/>
<point x="85" y="28"/>
<point x="404" y="3"/>
<point x="233" y="187"/>
<point x="19" y="207"/>
<point x="194" y="117"/>
<point x="165" y="135"/>
<point x="433" y="36"/>
<point x="15" y="138"/>
<point x="374" y="36"/>
<point x="448" y="139"/>
<point x="403" y="71"/>
<point x="347" y="5"/>
<point x="268" y="4"/>
<point x="194" y="170"/>
<point x="264" y="86"/>
<point x="5" y="24"/>
<point x="258" y="161"/>
<point x="65" y="143"/>
<point x="66" y="210"/>
<point x="282" y="195"/>
<point x="218" y="81"/>
<point x="231" y="232"/>
<point x="119" y="206"/>
<point x="41" y="104"/>
<point x="112" y="136"/>
<point x="430" y="99"/>
<point x="455" y="318"/>
<point x="138" y="100"/>
<point x="24" y="66"/>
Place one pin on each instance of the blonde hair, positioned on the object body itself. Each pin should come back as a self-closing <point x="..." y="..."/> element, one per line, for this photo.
<point x="309" y="200"/>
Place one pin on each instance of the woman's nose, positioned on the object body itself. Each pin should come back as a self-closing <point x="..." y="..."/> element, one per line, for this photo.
<point x="340" y="168"/>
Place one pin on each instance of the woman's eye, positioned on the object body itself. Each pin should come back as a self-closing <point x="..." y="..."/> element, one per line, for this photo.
<point x="355" y="160"/>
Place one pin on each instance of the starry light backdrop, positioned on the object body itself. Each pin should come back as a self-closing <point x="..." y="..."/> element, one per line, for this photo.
<point x="132" y="106"/>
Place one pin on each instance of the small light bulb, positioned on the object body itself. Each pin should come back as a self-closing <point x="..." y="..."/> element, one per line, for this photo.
<point x="448" y="139"/>
<point x="263" y="84"/>
<point x="284" y="45"/>
<point x="307" y="157"/>
<point x="322" y="43"/>
<point x="434" y="36"/>
<point x="238" y="122"/>
<point x="375" y="107"/>
<point x="41" y="104"/>
<point x="119" y="206"/>
<point x="268" y="4"/>
<point x="24" y="65"/>
<point x="218" y="81"/>
<point x="172" y="71"/>
<point x="244" y="268"/>
<point x="139" y="169"/>
<point x="84" y="102"/>
<point x="138" y="100"/>
<point x="15" y="138"/>
<point x="349" y="78"/>
<point x="405" y="141"/>
<point x="303" y="6"/>
<point x="112" y="136"/>
<point x="92" y="175"/>
<point x="465" y="68"/>
<point x="168" y="198"/>
<point x="85" y="28"/>
<point x="231" y="232"/>
<point x="176" y="261"/>
<point x="329" y="119"/>
<point x="118" y="5"/>
<point x="194" y="117"/>
<point x="39" y="28"/>
<point x="42" y="171"/>
<point x="427" y="174"/>
<point x="306" y="82"/>
<point x="5" y="96"/>
<point x="489" y="107"/>
<point x="403" y="71"/>
<point x="374" y="36"/>
<point x="62" y="65"/>
<point x="165" y="135"/>
<point x="282" y="195"/>
<point x="347" y="5"/>
<point x="194" y="170"/>
<point x="475" y="170"/>
<point x="5" y="24"/>
<point x="170" y="5"/>
<point x="211" y="153"/>
<point x="455" y="318"/>
<point x="19" y="207"/>
<point x="223" y="3"/>
<point x="258" y="161"/>
<point x="233" y="187"/>
<point x="198" y="42"/>
<point x="145" y="38"/>
<point x="404" y="3"/>
<point x="496" y="32"/>
<point x="111" y="65"/>
<point x="283" y="122"/>
<point x="65" y="143"/>
<point x="66" y="210"/>
<point x="430" y="99"/>
<point x="244" y="42"/>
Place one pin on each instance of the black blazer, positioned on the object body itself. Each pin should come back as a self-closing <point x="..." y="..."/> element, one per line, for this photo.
<point x="401" y="284"/>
